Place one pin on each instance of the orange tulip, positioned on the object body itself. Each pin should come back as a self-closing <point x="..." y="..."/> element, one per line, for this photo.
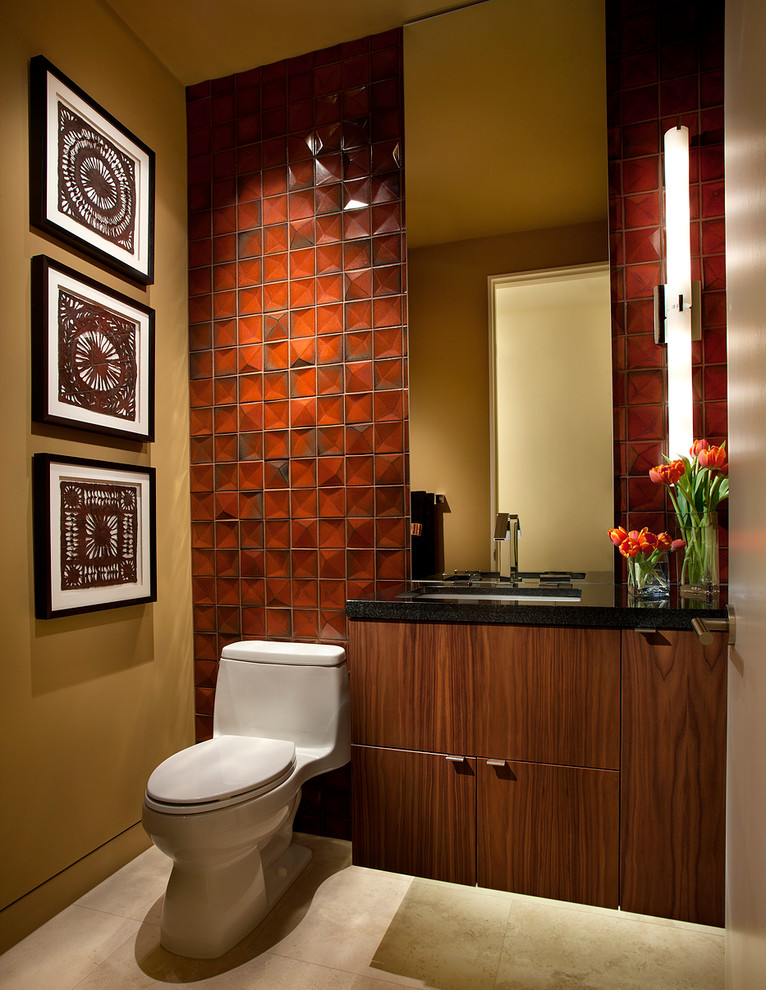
<point x="667" y="474"/>
<point x="698" y="446"/>
<point x="714" y="458"/>
<point x="664" y="541"/>
<point x="630" y="546"/>
<point x="647" y="541"/>
<point x="617" y="535"/>
<point x="677" y="545"/>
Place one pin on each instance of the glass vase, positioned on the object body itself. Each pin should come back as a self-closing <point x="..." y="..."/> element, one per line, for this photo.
<point x="699" y="568"/>
<point x="648" y="581"/>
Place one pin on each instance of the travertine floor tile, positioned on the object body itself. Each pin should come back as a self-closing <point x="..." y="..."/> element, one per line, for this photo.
<point x="238" y="970"/>
<point x="549" y="946"/>
<point x="447" y="936"/>
<point x="134" y="890"/>
<point x="339" y="923"/>
<point x="65" y="950"/>
<point x="346" y="928"/>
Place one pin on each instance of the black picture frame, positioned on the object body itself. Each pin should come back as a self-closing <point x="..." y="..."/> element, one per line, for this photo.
<point x="91" y="179"/>
<point x="95" y="535"/>
<point x="92" y="355"/>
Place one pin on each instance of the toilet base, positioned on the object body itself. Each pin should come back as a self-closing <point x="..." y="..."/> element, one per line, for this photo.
<point x="291" y="864"/>
<point x="209" y="908"/>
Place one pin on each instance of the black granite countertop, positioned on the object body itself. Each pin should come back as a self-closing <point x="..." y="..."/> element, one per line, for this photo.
<point x="593" y="601"/>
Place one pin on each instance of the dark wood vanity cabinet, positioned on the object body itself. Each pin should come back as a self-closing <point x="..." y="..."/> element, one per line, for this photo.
<point x="414" y="813"/>
<point x="573" y="763"/>
<point x="488" y="754"/>
<point x="673" y="776"/>
<point x="549" y="831"/>
<point x="548" y="710"/>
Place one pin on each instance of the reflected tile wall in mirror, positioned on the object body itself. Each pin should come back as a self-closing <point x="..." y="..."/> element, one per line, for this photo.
<point x="664" y="63"/>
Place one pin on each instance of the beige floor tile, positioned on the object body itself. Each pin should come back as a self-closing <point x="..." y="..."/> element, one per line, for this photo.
<point x="135" y="891"/>
<point x="65" y="950"/>
<point x="338" y="923"/>
<point x="142" y="964"/>
<point x="346" y="928"/>
<point x="385" y="982"/>
<point x="327" y="855"/>
<point x="446" y="936"/>
<point x="552" y="947"/>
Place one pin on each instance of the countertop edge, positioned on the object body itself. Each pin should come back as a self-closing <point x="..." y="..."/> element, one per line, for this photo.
<point x="594" y="616"/>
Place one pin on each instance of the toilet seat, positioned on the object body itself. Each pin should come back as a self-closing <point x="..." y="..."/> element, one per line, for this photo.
<point x="221" y="771"/>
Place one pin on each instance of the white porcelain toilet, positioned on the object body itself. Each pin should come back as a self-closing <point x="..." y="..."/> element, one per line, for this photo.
<point x="223" y="810"/>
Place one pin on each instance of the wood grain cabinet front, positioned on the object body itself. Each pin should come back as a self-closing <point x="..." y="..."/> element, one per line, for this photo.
<point x="542" y="702"/>
<point x="412" y="686"/>
<point x="549" y="831"/>
<point x="572" y="763"/>
<point x="414" y="813"/>
<point x="674" y="776"/>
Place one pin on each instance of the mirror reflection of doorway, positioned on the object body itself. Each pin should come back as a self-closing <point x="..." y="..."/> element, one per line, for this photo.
<point x="551" y="410"/>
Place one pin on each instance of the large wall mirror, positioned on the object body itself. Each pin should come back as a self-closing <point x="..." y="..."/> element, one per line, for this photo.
<point x="506" y="173"/>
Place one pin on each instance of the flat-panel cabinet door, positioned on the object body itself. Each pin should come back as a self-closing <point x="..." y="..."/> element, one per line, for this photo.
<point x="412" y="686"/>
<point x="414" y="813"/>
<point x="548" y="694"/>
<point x="674" y="776"/>
<point x="549" y="831"/>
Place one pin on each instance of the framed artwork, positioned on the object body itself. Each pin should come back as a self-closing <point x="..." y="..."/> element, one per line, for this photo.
<point x="91" y="180"/>
<point x="92" y="355"/>
<point x="94" y="535"/>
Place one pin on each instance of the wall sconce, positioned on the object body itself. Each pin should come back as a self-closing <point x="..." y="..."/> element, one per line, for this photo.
<point x="677" y="307"/>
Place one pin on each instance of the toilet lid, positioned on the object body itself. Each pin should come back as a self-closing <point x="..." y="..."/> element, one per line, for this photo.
<point x="222" y="768"/>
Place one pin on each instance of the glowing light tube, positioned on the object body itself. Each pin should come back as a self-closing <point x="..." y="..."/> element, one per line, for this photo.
<point x="678" y="293"/>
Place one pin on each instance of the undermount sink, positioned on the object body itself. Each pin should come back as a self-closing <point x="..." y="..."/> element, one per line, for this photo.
<point x="496" y="591"/>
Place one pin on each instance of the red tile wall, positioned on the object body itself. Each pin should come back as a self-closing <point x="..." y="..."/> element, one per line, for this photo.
<point x="664" y="64"/>
<point x="298" y="355"/>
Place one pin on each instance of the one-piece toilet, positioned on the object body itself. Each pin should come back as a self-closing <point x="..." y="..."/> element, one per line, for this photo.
<point x="223" y="810"/>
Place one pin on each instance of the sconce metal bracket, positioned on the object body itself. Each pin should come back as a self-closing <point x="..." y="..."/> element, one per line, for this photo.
<point x="660" y="311"/>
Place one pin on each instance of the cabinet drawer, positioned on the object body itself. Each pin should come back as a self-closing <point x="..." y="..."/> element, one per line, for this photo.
<point x="548" y="695"/>
<point x="411" y="686"/>
<point x="549" y="831"/>
<point x="414" y="813"/>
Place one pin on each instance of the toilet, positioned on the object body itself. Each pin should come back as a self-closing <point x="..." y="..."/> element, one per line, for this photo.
<point x="223" y="810"/>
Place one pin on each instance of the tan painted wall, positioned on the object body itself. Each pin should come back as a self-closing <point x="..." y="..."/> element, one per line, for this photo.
<point x="449" y="368"/>
<point x="746" y="297"/>
<point x="90" y="703"/>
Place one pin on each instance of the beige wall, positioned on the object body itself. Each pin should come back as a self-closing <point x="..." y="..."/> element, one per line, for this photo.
<point x="89" y="703"/>
<point x="746" y="294"/>
<point x="449" y="368"/>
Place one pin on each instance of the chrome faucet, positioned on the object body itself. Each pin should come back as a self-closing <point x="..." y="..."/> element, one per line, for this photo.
<point x="507" y="527"/>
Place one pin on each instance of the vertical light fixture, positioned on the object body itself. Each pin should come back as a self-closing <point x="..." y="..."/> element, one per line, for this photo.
<point x="677" y="303"/>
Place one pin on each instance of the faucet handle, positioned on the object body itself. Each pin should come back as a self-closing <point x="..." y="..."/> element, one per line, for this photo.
<point x="502" y="526"/>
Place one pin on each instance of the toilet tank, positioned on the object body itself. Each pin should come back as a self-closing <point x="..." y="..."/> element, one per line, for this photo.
<point x="296" y="691"/>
